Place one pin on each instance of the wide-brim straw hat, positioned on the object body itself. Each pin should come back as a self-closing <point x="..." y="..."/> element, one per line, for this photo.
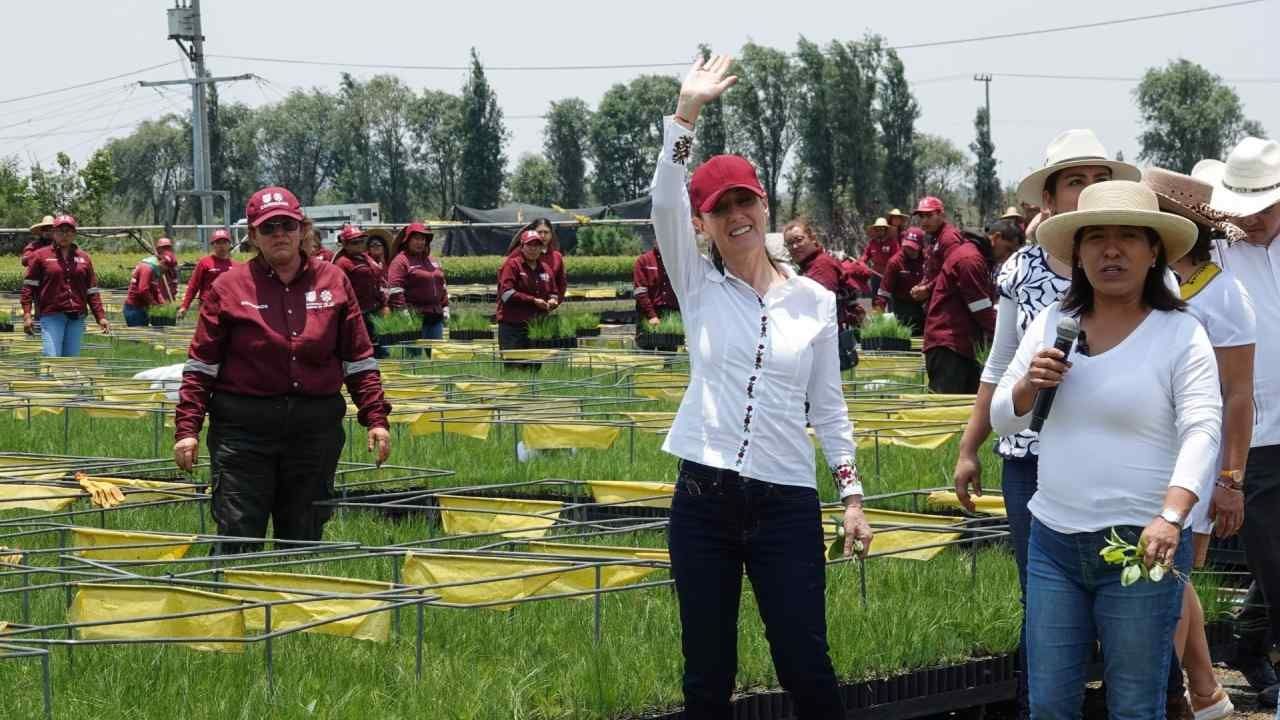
<point x="1119" y="202"/>
<point x="1186" y="196"/>
<point x="1073" y="148"/>
<point x="382" y="234"/>
<point x="1248" y="182"/>
<point x="1012" y="213"/>
<point x="45" y="222"/>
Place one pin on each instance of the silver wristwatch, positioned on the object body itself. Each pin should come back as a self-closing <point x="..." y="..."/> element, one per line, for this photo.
<point x="1173" y="517"/>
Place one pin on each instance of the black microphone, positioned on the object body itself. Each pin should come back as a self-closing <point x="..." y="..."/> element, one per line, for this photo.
<point x="1068" y="329"/>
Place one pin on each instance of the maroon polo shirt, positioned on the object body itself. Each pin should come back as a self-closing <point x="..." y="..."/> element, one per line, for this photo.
<point x="208" y="269"/>
<point x="417" y="282"/>
<point x="878" y="253"/>
<point x="559" y="280"/>
<point x="900" y="275"/>
<point x="822" y="268"/>
<point x="148" y="287"/>
<point x="257" y="336"/>
<point x="960" y="310"/>
<point x="653" y="291"/>
<point x="519" y="285"/>
<point x="365" y="275"/>
<point x="61" y="283"/>
<point x="30" y="249"/>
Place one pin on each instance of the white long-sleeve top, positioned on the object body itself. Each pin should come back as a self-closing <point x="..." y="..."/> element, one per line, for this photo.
<point x="1258" y="269"/>
<point x="753" y="359"/>
<point x="1126" y="425"/>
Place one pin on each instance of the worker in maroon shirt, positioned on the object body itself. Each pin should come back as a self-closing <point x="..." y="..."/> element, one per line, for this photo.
<point x="814" y="262"/>
<point x="208" y="269"/>
<point x="551" y="255"/>
<point x="525" y="290"/>
<point x="60" y="285"/>
<point x="41" y="237"/>
<point x="904" y="271"/>
<point x="416" y="281"/>
<point x="882" y="244"/>
<point x="652" y="291"/>
<point x="931" y="213"/>
<point x="154" y="282"/>
<point x="276" y="339"/>
<point x="959" y="313"/>
<point x="313" y="248"/>
<point x="365" y="275"/>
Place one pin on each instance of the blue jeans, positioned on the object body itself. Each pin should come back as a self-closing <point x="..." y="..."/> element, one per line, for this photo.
<point x="433" y="327"/>
<point x="60" y="335"/>
<point x="720" y="524"/>
<point x="1074" y="599"/>
<point x="136" y="316"/>
<point x="1018" y="481"/>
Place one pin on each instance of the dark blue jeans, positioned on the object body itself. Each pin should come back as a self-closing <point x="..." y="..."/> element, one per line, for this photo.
<point x="722" y="523"/>
<point x="433" y="327"/>
<point x="136" y="316"/>
<point x="1074" y="599"/>
<point x="1018" y="481"/>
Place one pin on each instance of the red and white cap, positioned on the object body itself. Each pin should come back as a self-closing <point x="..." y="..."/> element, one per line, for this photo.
<point x="718" y="176"/>
<point x="272" y="202"/>
<point x="417" y="228"/>
<point x="529" y="237"/>
<point x="163" y="243"/>
<point x="929" y="204"/>
<point x="351" y="232"/>
<point x="220" y="235"/>
<point x="65" y="219"/>
<point x="914" y="237"/>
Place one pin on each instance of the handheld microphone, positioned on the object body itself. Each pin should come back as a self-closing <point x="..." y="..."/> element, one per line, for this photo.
<point x="1068" y="329"/>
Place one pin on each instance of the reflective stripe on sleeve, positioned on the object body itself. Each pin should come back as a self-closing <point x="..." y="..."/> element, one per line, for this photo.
<point x="394" y="290"/>
<point x="640" y="290"/>
<point x="507" y="295"/>
<point x="194" y="365"/>
<point x="93" y="291"/>
<point x="980" y="305"/>
<point x="32" y="283"/>
<point x="884" y="293"/>
<point x="359" y="366"/>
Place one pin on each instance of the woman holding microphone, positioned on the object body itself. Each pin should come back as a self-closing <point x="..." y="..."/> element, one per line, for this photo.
<point x="761" y="339"/>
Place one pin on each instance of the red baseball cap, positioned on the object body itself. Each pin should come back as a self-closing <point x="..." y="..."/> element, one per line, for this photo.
<point x="272" y="202"/>
<point x="529" y="237"/>
<point x="418" y="228"/>
<point x="65" y="219"/>
<point x="220" y="235"/>
<point x="719" y="175"/>
<point x="911" y="242"/>
<point x="164" y="242"/>
<point x="913" y="234"/>
<point x="928" y="204"/>
<point x="349" y="233"/>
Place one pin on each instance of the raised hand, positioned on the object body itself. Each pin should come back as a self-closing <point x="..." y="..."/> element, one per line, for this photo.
<point x="706" y="81"/>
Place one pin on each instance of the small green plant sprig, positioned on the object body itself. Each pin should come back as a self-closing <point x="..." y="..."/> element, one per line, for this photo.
<point x="1119" y="551"/>
<point x="885" y="325"/>
<point x="468" y="320"/>
<point x="670" y="324"/>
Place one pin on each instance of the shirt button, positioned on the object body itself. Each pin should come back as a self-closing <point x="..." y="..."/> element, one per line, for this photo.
<point x="295" y="333"/>
<point x="286" y="289"/>
<point x="295" y="383"/>
<point x="290" y="311"/>
<point x="294" y="358"/>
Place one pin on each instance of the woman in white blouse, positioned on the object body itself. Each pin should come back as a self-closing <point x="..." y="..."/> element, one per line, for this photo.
<point x="1129" y="446"/>
<point x="761" y="340"/>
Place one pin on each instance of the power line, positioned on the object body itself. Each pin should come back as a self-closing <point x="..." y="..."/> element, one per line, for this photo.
<point x="87" y="84"/>
<point x="450" y="68"/>
<point x="1118" y="78"/>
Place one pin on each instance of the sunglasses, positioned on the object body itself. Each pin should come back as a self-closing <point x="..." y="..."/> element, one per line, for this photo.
<point x="271" y="227"/>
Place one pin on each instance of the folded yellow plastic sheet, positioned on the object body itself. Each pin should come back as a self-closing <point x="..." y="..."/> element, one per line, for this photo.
<point x="104" y="603"/>
<point x="531" y="354"/>
<point x="94" y="542"/>
<point x="488" y="388"/>
<point x="654" y="422"/>
<point x="899" y="542"/>
<point x="632" y="493"/>
<point x="946" y="499"/>
<point x="421" y="392"/>
<point x="10" y="556"/>
<point x="915" y="439"/>
<point x="509" y="516"/>
<point x="560" y="436"/>
<point x="45" y="498"/>
<point x="474" y="421"/>
<point x="441" y="569"/>
<point x="935" y="414"/>
<point x="590" y="359"/>
<point x="35" y="409"/>
<point x="163" y="490"/>
<point x="460" y="351"/>
<point x="375" y="627"/>
<point x="592" y="293"/>
<point x="614" y="552"/>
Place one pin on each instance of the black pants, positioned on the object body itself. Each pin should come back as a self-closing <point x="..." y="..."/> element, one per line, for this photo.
<point x="1261" y="536"/>
<point x="950" y="372"/>
<point x="911" y="314"/>
<point x="721" y="523"/>
<point x="379" y="350"/>
<point x="272" y="458"/>
<point x="513" y="336"/>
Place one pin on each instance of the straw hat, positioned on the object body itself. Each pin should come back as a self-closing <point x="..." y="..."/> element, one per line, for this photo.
<point x="1248" y="182"/>
<point x="1012" y="213"/>
<point x="1186" y="196"/>
<point x="1073" y="148"/>
<point x="897" y="213"/>
<point x="382" y="234"/>
<point x="879" y="223"/>
<point x="45" y="222"/>
<point x="1119" y="202"/>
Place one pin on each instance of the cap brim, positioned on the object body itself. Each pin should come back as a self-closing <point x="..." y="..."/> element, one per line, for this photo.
<point x="276" y="212"/>
<point x="1057" y="234"/>
<point x="1031" y="189"/>
<point x="709" y="203"/>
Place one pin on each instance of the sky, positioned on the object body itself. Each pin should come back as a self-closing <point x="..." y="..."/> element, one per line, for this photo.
<point x="97" y="39"/>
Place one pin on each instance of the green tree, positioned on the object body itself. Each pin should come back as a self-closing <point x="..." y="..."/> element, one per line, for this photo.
<point x="712" y="131"/>
<point x="436" y="119"/>
<point x="233" y="151"/>
<point x="814" y="129"/>
<point x="300" y="144"/>
<point x="534" y="181"/>
<point x="97" y="180"/>
<point x="762" y="114"/>
<point x="898" y="111"/>
<point x="151" y="164"/>
<point x="354" y="177"/>
<point x="17" y="206"/>
<point x="1188" y="114"/>
<point x="564" y="143"/>
<point x="392" y="144"/>
<point x="483" y="139"/>
<point x="626" y="135"/>
<point x="941" y="168"/>
<point x="986" y="186"/>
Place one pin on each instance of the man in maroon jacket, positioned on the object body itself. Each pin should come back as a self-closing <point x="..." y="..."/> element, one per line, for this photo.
<point x="959" y="313"/>
<point x="41" y="237"/>
<point x="154" y="282"/>
<point x="653" y="292"/>
<point x="904" y="271"/>
<point x="815" y="263"/>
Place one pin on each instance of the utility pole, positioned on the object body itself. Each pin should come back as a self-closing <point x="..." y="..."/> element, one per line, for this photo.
<point x="986" y="79"/>
<point x="184" y="24"/>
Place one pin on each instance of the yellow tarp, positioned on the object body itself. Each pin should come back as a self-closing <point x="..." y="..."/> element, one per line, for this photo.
<point x="26" y="412"/>
<point x="375" y="627"/>
<point x="632" y="492"/>
<point x="22" y="497"/>
<point x="890" y="540"/>
<point x="495" y="515"/>
<point x="489" y="388"/>
<point x="558" y="436"/>
<point x="925" y="439"/>
<point x="472" y="421"/>
<point x="98" y="603"/>
<point x="589" y="359"/>
<point x="592" y="293"/>
<point x="934" y="414"/>
<point x="428" y="392"/>
<point x="599" y="551"/>
<point x="990" y="504"/>
<point x="440" y="569"/>
<point x="655" y="422"/>
<point x="460" y="352"/>
<point x="10" y="556"/>
<point x="163" y="490"/>
<point x="85" y="537"/>
<point x="116" y="413"/>
<point x="536" y="354"/>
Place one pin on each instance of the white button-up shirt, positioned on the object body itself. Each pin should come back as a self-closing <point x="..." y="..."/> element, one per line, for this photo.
<point x="1258" y="269"/>
<point x="753" y="360"/>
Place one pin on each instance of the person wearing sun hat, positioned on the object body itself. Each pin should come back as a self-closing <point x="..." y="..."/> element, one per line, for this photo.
<point x="1130" y="445"/>
<point x="41" y="236"/>
<point x="1013" y="214"/>
<point x="1247" y="187"/>
<point x="882" y="244"/>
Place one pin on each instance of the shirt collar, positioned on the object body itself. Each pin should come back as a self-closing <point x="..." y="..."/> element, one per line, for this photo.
<point x="262" y="267"/>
